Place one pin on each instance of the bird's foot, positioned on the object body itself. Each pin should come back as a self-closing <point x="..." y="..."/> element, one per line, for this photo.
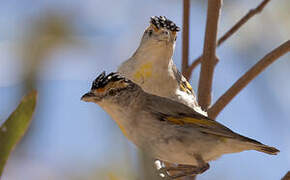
<point x="184" y="170"/>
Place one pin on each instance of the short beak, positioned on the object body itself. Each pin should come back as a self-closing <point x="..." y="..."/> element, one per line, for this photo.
<point x="88" y="97"/>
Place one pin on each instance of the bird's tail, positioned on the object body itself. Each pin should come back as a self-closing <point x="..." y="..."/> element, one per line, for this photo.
<point x="267" y="149"/>
<point x="256" y="145"/>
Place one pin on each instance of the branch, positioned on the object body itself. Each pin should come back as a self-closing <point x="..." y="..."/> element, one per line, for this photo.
<point x="230" y="32"/>
<point x="242" y="21"/>
<point x="247" y="78"/>
<point x="185" y="36"/>
<point x="209" y="54"/>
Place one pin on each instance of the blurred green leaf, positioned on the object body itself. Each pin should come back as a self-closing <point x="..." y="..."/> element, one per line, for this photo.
<point x="13" y="129"/>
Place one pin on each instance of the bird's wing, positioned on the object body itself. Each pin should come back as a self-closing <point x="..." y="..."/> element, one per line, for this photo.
<point x="179" y="114"/>
<point x="204" y="125"/>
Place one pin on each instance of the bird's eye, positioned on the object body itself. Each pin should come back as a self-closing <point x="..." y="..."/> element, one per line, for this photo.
<point x="165" y="32"/>
<point x="175" y="38"/>
<point x="150" y="32"/>
<point x="112" y="92"/>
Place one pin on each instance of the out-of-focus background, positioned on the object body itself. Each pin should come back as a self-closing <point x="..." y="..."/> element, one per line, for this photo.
<point x="60" y="46"/>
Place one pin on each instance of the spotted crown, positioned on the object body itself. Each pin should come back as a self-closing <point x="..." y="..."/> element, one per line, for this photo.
<point x="102" y="80"/>
<point x="163" y="22"/>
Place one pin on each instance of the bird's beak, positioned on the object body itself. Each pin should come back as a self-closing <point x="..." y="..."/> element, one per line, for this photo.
<point x="88" y="97"/>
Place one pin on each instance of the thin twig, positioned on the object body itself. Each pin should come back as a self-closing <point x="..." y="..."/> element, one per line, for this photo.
<point x="209" y="54"/>
<point x="242" y="21"/>
<point x="247" y="78"/>
<point x="185" y="35"/>
<point x="230" y="32"/>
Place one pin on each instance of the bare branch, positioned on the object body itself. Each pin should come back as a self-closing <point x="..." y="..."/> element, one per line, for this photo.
<point x="185" y="36"/>
<point x="247" y="78"/>
<point x="230" y="32"/>
<point x="242" y="21"/>
<point x="209" y="54"/>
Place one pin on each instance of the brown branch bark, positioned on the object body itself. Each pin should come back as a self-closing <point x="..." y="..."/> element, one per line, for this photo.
<point x="185" y="36"/>
<point x="247" y="78"/>
<point x="230" y="32"/>
<point x="209" y="54"/>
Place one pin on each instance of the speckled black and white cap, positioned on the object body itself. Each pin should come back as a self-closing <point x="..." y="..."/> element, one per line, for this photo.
<point x="102" y="80"/>
<point x="163" y="22"/>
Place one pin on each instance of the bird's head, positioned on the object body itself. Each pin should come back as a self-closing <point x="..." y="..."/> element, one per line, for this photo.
<point x="111" y="87"/>
<point x="160" y="31"/>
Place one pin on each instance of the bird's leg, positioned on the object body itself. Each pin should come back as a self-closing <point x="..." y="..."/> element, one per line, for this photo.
<point x="186" y="170"/>
<point x="202" y="165"/>
<point x="161" y="167"/>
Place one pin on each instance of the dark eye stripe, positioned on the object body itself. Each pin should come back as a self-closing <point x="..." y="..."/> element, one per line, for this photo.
<point x="150" y="32"/>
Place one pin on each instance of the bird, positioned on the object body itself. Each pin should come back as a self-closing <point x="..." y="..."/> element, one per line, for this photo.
<point x="165" y="129"/>
<point x="152" y="66"/>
